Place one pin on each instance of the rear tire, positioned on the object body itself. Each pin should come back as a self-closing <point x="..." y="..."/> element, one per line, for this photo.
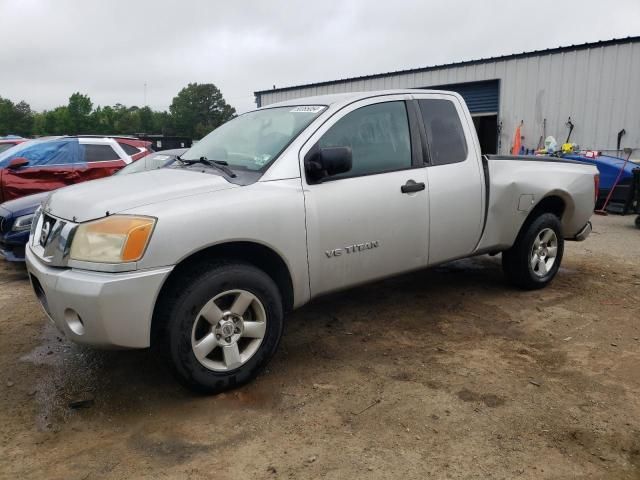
<point x="218" y="325"/>
<point x="534" y="259"/>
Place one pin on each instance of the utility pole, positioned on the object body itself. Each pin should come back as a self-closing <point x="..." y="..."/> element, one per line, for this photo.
<point x="145" y="94"/>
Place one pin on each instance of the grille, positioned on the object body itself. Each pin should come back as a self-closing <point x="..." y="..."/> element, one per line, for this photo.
<point x="47" y="230"/>
<point x="51" y="237"/>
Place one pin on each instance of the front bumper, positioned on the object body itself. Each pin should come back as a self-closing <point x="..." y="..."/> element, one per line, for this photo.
<point x="111" y="310"/>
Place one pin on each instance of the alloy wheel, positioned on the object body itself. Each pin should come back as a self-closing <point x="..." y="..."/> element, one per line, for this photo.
<point x="228" y="330"/>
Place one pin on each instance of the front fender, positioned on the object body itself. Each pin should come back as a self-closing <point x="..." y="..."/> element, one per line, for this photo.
<point x="267" y="213"/>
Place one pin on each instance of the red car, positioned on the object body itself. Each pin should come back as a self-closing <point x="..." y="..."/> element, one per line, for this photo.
<point x="47" y="164"/>
<point x="7" y="143"/>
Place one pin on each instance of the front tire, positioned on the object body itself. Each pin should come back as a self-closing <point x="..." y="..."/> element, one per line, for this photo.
<point x="534" y="259"/>
<point x="219" y="325"/>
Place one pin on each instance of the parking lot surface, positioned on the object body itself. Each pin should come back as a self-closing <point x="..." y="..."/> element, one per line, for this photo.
<point x="447" y="373"/>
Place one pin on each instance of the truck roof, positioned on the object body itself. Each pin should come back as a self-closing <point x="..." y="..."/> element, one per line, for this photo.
<point x="345" y="98"/>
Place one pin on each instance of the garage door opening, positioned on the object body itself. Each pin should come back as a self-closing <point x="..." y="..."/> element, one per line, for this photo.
<point x="487" y="129"/>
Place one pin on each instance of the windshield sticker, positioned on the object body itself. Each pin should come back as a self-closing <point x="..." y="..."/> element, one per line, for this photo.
<point x="307" y="109"/>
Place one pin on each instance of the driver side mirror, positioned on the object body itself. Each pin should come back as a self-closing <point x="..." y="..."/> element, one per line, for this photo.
<point x="18" y="163"/>
<point x="325" y="162"/>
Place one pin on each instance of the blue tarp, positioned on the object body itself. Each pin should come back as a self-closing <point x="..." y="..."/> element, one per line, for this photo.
<point x="609" y="168"/>
<point x="62" y="151"/>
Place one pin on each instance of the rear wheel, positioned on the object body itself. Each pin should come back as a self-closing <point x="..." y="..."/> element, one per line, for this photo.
<point x="220" y="326"/>
<point x="534" y="259"/>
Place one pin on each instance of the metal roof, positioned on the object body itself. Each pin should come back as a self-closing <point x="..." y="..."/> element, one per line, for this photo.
<point x="547" y="51"/>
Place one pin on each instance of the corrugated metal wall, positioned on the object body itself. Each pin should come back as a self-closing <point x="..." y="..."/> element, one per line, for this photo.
<point x="599" y="88"/>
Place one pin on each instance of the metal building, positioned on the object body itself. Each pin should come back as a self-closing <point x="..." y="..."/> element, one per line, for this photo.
<point x="596" y="84"/>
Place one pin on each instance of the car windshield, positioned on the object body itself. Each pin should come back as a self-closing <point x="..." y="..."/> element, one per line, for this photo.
<point x="6" y="146"/>
<point x="44" y="151"/>
<point x="255" y="139"/>
<point x="9" y="152"/>
<point x="150" y="162"/>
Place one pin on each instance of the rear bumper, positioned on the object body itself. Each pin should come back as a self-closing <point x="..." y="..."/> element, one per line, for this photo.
<point x="111" y="310"/>
<point x="583" y="233"/>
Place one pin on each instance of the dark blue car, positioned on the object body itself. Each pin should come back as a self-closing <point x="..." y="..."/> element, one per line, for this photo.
<point x="16" y="215"/>
<point x="15" y="224"/>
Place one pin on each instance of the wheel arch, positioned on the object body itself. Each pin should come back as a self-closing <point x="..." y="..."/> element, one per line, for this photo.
<point x="259" y="255"/>
<point x="558" y="202"/>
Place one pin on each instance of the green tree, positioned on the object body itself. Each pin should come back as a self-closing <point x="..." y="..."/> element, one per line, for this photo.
<point x="146" y="120"/>
<point x="163" y="123"/>
<point x="15" y="118"/>
<point x="79" y="110"/>
<point x="198" y="109"/>
<point x="59" y="122"/>
<point x="194" y="112"/>
<point x="127" y="120"/>
<point x="103" y="120"/>
<point x="39" y="119"/>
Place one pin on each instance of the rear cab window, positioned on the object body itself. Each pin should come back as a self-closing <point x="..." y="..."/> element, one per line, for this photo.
<point x="445" y="134"/>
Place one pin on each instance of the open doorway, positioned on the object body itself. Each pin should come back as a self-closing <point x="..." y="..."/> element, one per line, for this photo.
<point x="487" y="129"/>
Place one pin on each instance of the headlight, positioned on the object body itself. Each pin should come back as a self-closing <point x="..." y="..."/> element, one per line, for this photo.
<point x="23" y="223"/>
<point x="115" y="239"/>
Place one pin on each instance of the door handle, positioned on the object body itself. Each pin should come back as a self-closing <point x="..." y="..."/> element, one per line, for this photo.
<point x="411" y="187"/>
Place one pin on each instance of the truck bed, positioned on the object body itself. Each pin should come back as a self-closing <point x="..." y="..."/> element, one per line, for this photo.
<point x="515" y="185"/>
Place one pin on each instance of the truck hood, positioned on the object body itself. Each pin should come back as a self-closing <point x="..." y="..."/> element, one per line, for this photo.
<point x="98" y="198"/>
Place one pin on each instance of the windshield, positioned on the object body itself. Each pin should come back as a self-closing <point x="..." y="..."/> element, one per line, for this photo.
<point x="6" y="146"/>
<point x="44" y="151"/>
<point x="8" y="153"/>
<point x="253" y="140"/>
<point x="150" y="162"/>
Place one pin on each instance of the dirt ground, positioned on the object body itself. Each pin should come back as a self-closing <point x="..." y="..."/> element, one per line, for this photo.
<point x="448" y="373"/>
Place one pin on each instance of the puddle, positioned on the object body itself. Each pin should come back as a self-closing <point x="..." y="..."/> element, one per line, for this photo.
<point x="51" y="350"/>
<point x="121" y="384"/>
<point x="67" y="374"/>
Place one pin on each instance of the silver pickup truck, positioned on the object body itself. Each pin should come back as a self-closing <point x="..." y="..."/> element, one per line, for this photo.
<point x="202" y="260"/>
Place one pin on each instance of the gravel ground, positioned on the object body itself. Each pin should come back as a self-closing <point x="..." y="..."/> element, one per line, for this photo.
<point x="448" y="373"/>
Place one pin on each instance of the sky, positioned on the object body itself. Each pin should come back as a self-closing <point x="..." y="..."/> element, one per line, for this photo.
<point x="110" y="49"/>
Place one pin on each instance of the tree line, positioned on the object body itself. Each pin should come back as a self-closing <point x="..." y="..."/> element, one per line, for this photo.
<point x="195" y="111"/>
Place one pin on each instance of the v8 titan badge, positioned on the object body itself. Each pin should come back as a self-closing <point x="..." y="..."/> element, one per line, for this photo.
<point x="355" y="248"/>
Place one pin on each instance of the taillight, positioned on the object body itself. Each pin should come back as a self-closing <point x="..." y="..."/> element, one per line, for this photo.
<point x="596" y="186"/>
